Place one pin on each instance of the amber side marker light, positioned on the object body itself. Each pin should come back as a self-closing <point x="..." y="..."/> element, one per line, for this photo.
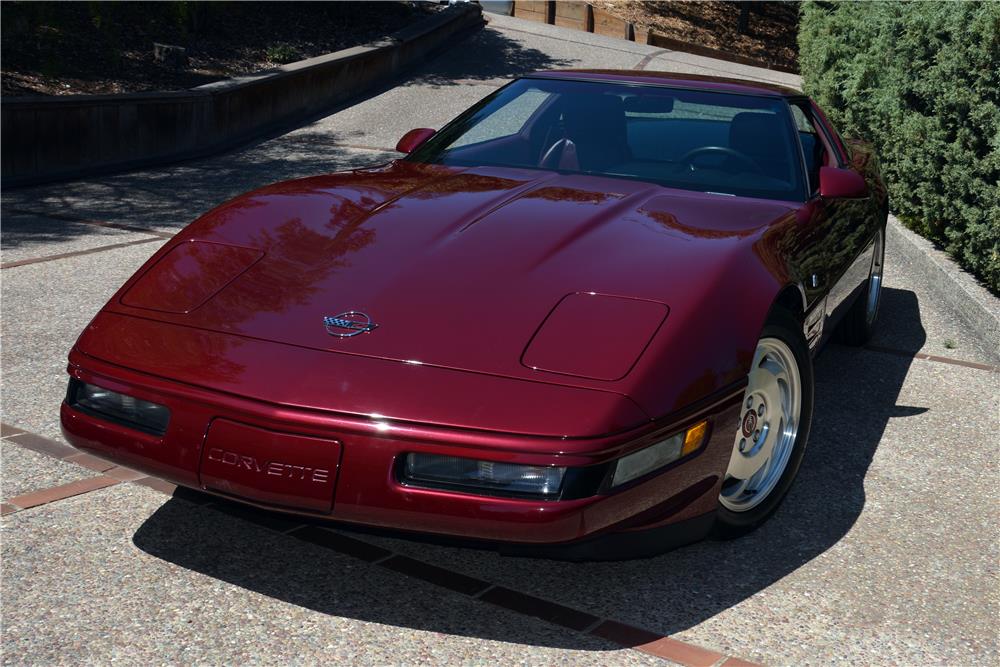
<point x="656" y="456"/>
<point x="693" y="438"/>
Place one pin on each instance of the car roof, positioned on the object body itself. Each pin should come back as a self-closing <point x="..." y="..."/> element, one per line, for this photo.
<point x="671" y="79"/>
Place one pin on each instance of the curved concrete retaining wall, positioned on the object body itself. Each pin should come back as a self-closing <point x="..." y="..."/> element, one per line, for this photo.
<point x="55" y="138"/>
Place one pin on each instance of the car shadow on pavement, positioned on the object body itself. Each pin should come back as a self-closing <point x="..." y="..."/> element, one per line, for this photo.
<point x="856" y="395"/>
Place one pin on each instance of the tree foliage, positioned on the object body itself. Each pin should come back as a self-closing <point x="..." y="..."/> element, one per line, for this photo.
<point x="922" y="82"/>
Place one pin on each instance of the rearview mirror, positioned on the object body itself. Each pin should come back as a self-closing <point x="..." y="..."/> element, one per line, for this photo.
<point x="649" y="104"/>
<point x="841" y="183"/>
<point x="413" y="139"/>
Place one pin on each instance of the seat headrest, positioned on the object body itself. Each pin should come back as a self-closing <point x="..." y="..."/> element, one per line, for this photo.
<point x="583" y="113"/>
<point x="595" y="124"/>
<point x="763" y="136"/>
<point x="755" y="133"/>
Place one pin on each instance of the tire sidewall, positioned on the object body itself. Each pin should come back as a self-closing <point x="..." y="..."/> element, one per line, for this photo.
<point x="855" y="329"/>
<point x="870" y="326"/>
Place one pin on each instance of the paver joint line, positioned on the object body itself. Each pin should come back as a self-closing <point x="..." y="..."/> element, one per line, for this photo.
<point x="546" y="610"/>
<point x="933" y="357"/>
<point x="738" y="662"/>
<point x="378" y="149"/>
<point x="483" y="592"/>
<point x="97" y="223"/>
<point x="89" y="461"/>
<point x="76" y="253"/>
<point x="6" y="431"/>
<point x="42" y="445"/>
<point x="8" y="508"/>
<point x="644" y="63"/>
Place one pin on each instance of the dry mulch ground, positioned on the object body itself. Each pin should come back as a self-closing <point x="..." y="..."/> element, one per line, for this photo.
<point x="771" y="34"/>
<point x="61" y="48"/>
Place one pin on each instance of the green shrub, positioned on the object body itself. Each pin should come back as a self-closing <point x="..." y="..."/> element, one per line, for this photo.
<point x="282" y="53"/>
<point x="922" y="82"/>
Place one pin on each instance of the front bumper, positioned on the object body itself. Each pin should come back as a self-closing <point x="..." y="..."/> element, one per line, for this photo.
<point x="364" y="454"/>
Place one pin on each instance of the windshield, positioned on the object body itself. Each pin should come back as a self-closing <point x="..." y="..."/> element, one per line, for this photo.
<point x="691" y="139"/>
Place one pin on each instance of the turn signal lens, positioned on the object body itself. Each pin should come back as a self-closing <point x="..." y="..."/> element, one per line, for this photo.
<point x="656" y="456"/>
<point x="647" y="460"/>
<point x="694" y="437"/>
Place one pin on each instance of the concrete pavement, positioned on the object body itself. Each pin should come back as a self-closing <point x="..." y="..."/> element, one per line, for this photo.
<point x="884" y="552"/>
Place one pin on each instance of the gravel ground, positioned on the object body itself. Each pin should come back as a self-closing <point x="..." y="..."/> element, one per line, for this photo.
<point x="885" y="551"/>
<point x="121" y="576"/>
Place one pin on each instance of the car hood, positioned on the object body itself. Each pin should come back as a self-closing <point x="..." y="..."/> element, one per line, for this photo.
<point x="458" y="268"/>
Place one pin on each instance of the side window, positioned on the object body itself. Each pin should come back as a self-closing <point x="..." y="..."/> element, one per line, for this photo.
<point x="813" y="144"/>
<point x="507" y="120"/>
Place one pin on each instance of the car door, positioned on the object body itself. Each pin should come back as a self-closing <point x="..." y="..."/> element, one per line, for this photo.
<point x="838" y="233"/>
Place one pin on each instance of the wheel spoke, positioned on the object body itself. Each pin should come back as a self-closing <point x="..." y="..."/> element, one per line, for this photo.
<point x="738" y="489"/>
<point x="765" y="382"/>
<point x="773" y="435"/>
<point x="745" y="467"/>
<point x="784" y="398"/>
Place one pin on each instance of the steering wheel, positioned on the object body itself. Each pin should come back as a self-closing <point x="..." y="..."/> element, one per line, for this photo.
<point x="746" y="160"/>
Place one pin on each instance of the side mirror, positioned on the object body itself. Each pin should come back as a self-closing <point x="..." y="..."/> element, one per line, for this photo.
<point x="414" y="138"/>
<point x="841" y="183"/>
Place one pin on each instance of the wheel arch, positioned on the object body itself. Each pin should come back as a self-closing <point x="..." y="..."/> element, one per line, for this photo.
<point x="792" y="298"/>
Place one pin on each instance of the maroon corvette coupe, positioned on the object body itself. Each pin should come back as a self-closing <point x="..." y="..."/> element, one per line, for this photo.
<point x="579" y="318"/>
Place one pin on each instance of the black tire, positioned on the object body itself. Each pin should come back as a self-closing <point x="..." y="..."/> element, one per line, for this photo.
<point x="857" y="326"/>
<point x="731" y="524"/>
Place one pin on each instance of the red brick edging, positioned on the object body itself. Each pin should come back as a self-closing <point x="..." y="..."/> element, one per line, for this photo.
<point x="52" y="494"/>
<point x="111" y="473"/>
<point x="624" y="635"/>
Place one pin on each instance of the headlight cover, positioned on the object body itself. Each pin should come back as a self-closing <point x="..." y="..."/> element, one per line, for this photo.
<point x="487" y="477"/>
<point x="120" y="408"/>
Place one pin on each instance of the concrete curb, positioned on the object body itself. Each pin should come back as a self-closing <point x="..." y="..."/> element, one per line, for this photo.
<point x="976" y="307"/>
<point x="74" y="136"/>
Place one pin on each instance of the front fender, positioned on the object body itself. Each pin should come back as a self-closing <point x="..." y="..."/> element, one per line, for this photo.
<point x="708" y="341"/>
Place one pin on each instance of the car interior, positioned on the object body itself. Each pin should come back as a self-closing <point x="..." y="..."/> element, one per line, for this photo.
<point x="813" y="146"/>
<point x="693" y="140"/>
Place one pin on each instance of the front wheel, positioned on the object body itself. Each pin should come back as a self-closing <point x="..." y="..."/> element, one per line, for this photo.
<point x="770" y="439"/>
